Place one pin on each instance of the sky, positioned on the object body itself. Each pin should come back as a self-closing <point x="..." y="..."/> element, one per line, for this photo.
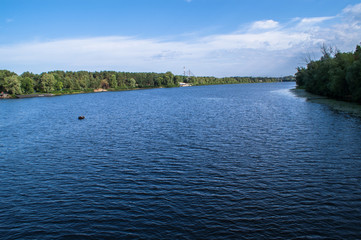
<point x="209" y="37"/>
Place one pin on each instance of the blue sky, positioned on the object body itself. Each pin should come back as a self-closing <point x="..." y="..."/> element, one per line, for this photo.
<point x="210" y="37"/>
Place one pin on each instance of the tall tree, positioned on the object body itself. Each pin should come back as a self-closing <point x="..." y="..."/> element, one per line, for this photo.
<point x="132" y="83"/>
<point x="47" y="82"/>
<point x="27" y="85"/>
<point x="12" y="84"/>
<point x="113" y="81"/>
<point x="3" y="75"/>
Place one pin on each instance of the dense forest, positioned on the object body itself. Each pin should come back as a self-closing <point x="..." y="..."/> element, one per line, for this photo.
<point x="61" y="82"/>
<point x="336" y="75"/>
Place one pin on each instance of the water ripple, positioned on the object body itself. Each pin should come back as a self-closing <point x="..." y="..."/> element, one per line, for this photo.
<point x="217" y="162"/>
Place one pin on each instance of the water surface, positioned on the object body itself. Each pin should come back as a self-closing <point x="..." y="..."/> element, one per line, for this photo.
<point x="248" y="161"/>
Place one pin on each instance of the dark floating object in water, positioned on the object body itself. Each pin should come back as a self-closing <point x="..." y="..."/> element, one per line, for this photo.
<point x="81" y="117"/>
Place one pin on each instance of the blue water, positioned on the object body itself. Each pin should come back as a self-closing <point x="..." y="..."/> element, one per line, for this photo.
<point x="249" y="161"/>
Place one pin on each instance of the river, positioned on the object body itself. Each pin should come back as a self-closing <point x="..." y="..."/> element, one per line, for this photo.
<point x="246" y="161"/>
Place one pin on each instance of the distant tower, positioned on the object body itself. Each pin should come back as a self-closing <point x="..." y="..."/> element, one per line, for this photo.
<point x="187" y="74"/>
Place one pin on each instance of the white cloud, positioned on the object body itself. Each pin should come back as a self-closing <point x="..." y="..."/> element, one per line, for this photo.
<point x="315" y="20"/>
<point x="262" y="25"/>
<point x="354" y="10"/>
<point x="262" y="48"/>
<point x="352" y="15"/>
<point x="306" y="23"/>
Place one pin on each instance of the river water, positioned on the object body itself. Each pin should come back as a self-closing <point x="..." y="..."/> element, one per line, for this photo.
<point x="247" y="161"/>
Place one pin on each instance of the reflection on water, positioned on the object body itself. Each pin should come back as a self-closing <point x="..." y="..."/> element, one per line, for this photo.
<point x="341" y="106"/>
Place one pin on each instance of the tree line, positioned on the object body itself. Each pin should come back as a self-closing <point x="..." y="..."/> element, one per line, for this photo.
<point x="81" y="81"/>
<point x="236" y="80"/>
<point x="336" y="75"/>
<point x="62" y="82"/>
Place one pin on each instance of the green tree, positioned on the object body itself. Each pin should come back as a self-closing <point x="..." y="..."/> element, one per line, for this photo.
<point x="68" y="83"/>
<point x="132" y="83"/>
<point x="3" y="75"/>
<point x="27" y="85"/>
<point x="158" y="81"/>
<point x="338" y="87"/>
<point x="12" y="84"/>
<point x="301" y="76"/>
<point x="353" y="79"/>
<point x="59" y="85"/>
<point x="47" y="82"/>
<point x="336" y="75"/>
<point x="177" y="80"/>
<point x="168" y="79"/>
<point x="83" y="79"/>
<point x="113" y="81"/>
<point x="93" y="82"/>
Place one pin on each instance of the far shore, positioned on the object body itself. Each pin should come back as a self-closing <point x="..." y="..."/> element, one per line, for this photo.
<point x="35" y="95"/>
<point x="338" y="105"/>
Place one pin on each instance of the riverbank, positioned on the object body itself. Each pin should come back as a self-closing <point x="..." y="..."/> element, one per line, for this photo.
<point x="336" y="75"/>
<point x="98" y="90"/>
<point x="337" y="105"/>
<point x="35" y="95"/>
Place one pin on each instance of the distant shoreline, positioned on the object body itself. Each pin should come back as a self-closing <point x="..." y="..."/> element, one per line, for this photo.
<point x="35" y="95"/>
<point x="61" y="82"/>
<point x="99" y="90"/>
